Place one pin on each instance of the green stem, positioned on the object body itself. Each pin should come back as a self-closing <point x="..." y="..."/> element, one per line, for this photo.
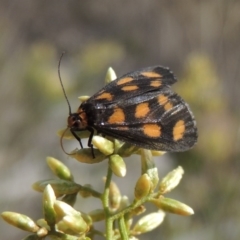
<point x="105" y="201"/>
<point x="122" y="228"/>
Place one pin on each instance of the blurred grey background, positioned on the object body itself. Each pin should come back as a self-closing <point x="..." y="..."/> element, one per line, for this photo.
<point x="198" y="40"/>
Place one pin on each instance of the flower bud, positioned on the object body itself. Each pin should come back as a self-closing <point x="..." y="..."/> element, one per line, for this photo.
<point x="85" y="155"/>
<point x="59" y="169"/>
<point x="72" y="225"/>
<point x="63" y="209"/>
<point x="60" y="187"/>
<point x="110" y="76"/>
<point x="143" y="187"/>
<point x="103" y="145"/>
<point x="117" y="165"/>
<point x="173" y="206"/>
<point x="20" y="221"/>
<point x="83" y="98"/>
<point x="48" y="202"/>
<point x="148" y="222"/>
<point x="42" y="232"/>
<point x="153" y="174"/>
<point x="171" y="180"/>
<point x="114" y="195"/>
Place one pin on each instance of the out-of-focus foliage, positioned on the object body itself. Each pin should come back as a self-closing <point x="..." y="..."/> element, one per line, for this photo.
<point x="198" y="40"/>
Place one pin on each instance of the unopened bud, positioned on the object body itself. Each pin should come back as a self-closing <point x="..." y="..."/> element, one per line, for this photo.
<point x="72" y="225"/>
<point x="60" y="187"/>
<point x="85" y="155"/>
<point x="117" y="165"/>
<point x="104" y="145"/>
<point x="63" y="209"/>
<point x="148" y="222"/>
<point x="173" y="206"/>
<point x="114" y="195"/>
<point x="48" y="202"/>
<point x="110" y="76"/>
<point x="143" y="187"/>
<point x="83" y="98"/>
<point x="59" y="169"/>
<point x="20" y="221"/>
<point x="171" y="180"/>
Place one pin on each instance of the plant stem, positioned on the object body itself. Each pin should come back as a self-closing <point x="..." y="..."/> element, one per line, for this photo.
<point x="105" y="201"/>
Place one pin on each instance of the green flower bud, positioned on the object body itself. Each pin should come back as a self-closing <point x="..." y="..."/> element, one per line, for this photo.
<point x="171" y="180"/>
<point x="148" y="223"/>
<point x="20" y="221"/>
<point x="42" y="232"/>
<point x="85" y="155"/>
<point x="114" y="195"/>
<point x="72" y="225"/>
<point x="110" y="76"/>
<point x="143" y="187"/>
<point x="48" y="202"/>
<point x="63" y="209"/>
<point x="153" y="174"/>
<point x="103" y="145"/>
<point x="83" y="98"/>
<point x="43" y="223"/>
<point x="124" y="202"/>
<point x="60" y="187"/>
<point x="173" y="206"/>
<point x="59" y="169"/>
<point x="117" y="165"/>
<point x="97" y="215"/>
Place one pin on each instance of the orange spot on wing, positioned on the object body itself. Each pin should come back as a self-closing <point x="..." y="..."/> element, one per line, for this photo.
<point x="118" y="116"/>
<point x="142" y="110"/>
<point x="152" y="130"/>
<point x="178" y="130"/>
<point x="129" y="88"/>
<point x="105" y="95"/>
<point x="151" y="74"/>
<point x="168" y="106"/>
<point x="156" y="83"/>
<point x="124" y="80"/>
<point x="162" y="99"/>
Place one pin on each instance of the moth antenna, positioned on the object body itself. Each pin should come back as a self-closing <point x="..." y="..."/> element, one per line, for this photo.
<point x="60" y="79"/>
<point x="61" y="142"/>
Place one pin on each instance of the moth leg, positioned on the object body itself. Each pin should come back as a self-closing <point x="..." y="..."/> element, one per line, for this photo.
<point x="77" y="137"/>
<point x="91" y="130"/>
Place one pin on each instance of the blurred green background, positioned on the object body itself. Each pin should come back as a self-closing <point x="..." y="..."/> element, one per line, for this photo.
<point x="198" y="40"/>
